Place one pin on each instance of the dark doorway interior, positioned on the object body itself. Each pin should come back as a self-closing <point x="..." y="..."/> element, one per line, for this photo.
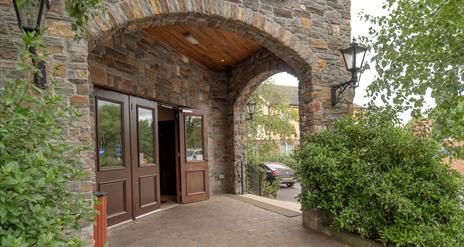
<point x="167" y="154"/>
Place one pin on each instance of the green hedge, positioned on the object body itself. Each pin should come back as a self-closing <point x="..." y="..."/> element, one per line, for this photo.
<point x="379" y="181"/>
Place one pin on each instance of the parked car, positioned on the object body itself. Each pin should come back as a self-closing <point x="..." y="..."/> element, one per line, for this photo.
<point x="277" y="170"/>
<point x="194" y="154"/>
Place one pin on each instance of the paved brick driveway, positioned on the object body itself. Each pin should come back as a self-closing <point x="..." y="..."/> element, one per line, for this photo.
<point x="220" y="221"/>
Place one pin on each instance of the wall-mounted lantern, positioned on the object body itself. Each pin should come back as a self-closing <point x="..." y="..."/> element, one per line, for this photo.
<point x="250" y="109"/>
<point x="354" y="60"/>
<point x="31" y="18"/>
<point x="31" y="14"/>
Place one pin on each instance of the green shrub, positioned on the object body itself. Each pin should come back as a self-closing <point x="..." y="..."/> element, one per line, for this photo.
<point x="270" y="189"/>
<point x="37" y="165"/>
<point x="380" y="181"/>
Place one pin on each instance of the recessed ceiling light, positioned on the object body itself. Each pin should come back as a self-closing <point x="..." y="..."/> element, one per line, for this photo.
<point x="190" y="38"/>
<point x="222" y="60"/>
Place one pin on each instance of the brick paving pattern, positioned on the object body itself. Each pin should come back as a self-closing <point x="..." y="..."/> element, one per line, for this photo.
<point x="220" y="221"/>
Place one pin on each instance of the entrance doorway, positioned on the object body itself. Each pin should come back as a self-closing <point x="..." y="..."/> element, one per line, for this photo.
<point x="127" y="154"/>
<point x="148" y="153"/>
<point x="168" y="149"/>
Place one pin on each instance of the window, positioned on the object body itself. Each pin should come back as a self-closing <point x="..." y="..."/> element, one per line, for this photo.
<point x="286" y="148"/>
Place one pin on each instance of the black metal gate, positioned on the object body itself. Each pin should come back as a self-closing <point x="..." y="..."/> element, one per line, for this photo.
<point x="255" y="180"/>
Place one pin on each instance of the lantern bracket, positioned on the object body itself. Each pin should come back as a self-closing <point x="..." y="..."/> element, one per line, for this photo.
<point x="338" y="90"/>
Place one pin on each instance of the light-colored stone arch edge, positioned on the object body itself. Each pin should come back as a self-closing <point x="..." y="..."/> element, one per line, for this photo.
<point x="139" y="14"/>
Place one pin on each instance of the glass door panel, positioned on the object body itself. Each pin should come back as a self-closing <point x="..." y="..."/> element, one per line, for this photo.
<point x="194" y="138"/>
<point x="110" y="129"/>
<point x="145" y="136"/>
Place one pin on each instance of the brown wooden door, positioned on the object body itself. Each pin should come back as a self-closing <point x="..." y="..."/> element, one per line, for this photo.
<point x="193" y="156"/>
<point x="113" y="154"/>
<point x="145" y="157"/>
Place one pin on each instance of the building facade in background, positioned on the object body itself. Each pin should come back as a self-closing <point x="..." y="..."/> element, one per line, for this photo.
<point x="272" y="97"/>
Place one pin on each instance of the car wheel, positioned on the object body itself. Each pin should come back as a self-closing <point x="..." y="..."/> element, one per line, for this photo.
<point x="289" y="185"/>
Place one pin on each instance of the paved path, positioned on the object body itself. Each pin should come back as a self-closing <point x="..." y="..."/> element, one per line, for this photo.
<point x="220" y="221"/>
<point x="289" y="194"/>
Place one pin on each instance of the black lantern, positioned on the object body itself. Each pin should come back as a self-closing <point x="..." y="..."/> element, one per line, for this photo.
<point x="354" y="60"/>
<point x="31" y="14"/>
<point x="251" y="108"/>
<point x="31" y="18"/>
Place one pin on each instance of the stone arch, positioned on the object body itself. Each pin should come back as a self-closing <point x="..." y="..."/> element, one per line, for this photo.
<point x="244" y="80"/>
<point x="249" y="23"/>
<point x="246" y="77"/>
<point x="283" y="50"/>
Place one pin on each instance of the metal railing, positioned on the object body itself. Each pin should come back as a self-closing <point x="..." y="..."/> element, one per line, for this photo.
<point x="255" y="180"/>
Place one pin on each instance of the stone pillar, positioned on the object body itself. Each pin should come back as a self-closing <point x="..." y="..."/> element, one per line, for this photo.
<point x="73" y="85"/>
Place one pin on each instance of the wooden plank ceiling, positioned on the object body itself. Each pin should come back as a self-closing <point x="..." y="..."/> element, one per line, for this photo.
<point x="216" y="49"/>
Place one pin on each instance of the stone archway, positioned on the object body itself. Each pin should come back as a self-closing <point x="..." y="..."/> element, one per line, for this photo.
<point x="246" y="78"/>
<point x="291" y="51"/>
<point x="305" y="36"/>
<point x="284" y="51"/>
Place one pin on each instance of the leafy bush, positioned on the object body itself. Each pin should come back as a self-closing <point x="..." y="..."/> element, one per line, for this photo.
<point x="37" y="164"/>
<point x="380" y="181"/>
<point x="270" y="189"/>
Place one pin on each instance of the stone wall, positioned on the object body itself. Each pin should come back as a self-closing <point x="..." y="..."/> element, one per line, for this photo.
<point x="136" y="64"/>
